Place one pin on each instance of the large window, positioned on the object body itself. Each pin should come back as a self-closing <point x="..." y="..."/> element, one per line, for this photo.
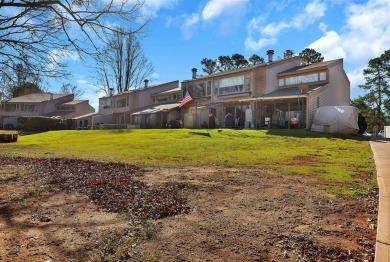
<point x="121" y="102"/>
<point x="27" y="108"/>
<point x="308" y="78"/>
<point x="10" y="107"/>
<point x="105" y="104"/>
<point x="231" y="85"/>
<point x="202" y="89"/>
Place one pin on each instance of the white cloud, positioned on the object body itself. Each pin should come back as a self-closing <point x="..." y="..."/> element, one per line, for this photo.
<point x="323" y="27"/>
<point x="188" y="26"/>
<point x="151" y="7"/>
<point x="252" y="44"/>
<point x="268" y="33"/>
<point x="330" y="46"/>
<point x="215" y="8"/>
<point x="56" y="56"/>
<point x="366" y="35"/>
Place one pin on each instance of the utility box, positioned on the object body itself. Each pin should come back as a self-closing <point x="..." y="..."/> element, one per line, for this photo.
<point x="386" y="132"/>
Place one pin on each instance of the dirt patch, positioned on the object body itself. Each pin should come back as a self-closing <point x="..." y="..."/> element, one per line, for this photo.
<point x="234" y="215"/>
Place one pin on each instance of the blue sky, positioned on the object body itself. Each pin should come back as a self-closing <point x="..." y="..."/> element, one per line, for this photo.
<point x="182" y="32"/>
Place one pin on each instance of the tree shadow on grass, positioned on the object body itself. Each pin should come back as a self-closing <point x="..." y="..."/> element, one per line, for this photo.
<point x="303" y="133"/>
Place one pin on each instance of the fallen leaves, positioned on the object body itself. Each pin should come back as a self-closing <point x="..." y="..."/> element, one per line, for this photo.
<point x="112" y="186"/>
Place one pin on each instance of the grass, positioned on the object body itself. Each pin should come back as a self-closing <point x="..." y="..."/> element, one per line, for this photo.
<point x="335" y="159"/>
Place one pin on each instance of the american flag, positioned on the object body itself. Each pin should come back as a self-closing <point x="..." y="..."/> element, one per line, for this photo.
<point x="187" y="98"/>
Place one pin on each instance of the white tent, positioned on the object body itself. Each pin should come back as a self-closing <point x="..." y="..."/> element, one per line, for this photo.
<point x="336" y="119"/>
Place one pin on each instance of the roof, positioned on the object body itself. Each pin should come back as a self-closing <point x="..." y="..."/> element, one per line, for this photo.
<point x="244" y="69"/>
<point x="171" y="91"/>
<point x="157" y="108"/>
<point x="140" y="89"/>
<point x="58" y="113"/>
<point x="87" y="115"/>
<point x="73" y="102"/>
<point x="310" y="67"/>
<point x="36" y="97"/>
<point x="205" y="106"/>
<point x="290" y="92"/>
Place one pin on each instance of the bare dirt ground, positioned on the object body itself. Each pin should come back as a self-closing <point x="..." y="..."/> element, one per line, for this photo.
<point x="231" y="215"/>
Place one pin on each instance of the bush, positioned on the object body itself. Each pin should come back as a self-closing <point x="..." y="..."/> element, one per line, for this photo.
<point x="40" y="123"/>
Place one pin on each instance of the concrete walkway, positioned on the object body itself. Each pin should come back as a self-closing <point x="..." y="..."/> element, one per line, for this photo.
<point x="381" y="149"/>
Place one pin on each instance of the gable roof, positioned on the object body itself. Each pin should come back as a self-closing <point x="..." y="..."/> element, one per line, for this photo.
<point x="311" y="67"/>
<point x="37" y="97"/>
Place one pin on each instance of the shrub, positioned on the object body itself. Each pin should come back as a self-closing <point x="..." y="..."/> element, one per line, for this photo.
<point x="40" y="123"/>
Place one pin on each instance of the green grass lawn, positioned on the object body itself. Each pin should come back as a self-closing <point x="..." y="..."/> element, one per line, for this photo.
<point x="339" y="161"/>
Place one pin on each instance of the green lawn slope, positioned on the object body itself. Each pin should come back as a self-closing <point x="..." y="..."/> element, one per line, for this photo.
<point x="342" y="162"/>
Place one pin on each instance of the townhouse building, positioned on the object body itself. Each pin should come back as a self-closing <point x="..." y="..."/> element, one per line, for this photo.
<point x="276" y="94"/>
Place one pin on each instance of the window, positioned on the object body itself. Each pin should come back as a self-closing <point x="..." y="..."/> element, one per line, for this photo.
<point x="308" y="78"/>
<point x="322" y="76"/>
<point x="105" y="104"/>
<point x="121" y="102"/>
<point x="291" y="80"/>
<point x="10" y="107"/>
<point x="202" y="89"/>
<point x="216" y="86"/>
<point x="27" y="108"/>
<point x="248" y="82"/>
<point x="231" y="85"/>
<point x="161" y="99"/>
<point x="208" y="88"/>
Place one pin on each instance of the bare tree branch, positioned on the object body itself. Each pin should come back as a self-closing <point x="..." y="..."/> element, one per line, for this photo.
<point x="43" y="32"/>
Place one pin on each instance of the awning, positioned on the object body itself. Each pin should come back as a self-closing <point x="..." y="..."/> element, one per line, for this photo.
<point x="285" y="93"/>
<point x="157" y="108"/>
<point x="206" y="106"/>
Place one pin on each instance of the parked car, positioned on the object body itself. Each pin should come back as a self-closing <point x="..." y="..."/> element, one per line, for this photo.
<point x="381" y="133"/>
<point x="367" y="133"/>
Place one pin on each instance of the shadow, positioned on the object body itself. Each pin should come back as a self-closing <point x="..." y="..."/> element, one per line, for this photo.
<point x="303" y="133"/>
<point x="200" y="133"/>
<point x="379" y="139"/>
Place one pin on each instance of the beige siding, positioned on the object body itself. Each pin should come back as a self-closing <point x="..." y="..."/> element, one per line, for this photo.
<point x="258" y="81"/>
<point x="137" y="98"/>
<point x="80" y="110"/>
<point x="338" y="91"/>
<point x="272" y="82"/>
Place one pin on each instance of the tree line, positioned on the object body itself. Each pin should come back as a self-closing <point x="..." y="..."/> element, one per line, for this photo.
<point x="237" y="61"/>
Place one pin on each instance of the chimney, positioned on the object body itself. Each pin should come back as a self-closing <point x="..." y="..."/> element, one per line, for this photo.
<point x="111" y="91"/>
<point x="194" y="73"/>
<point x="270" y="53"/>
<point x="51" y="96"/>
<point x="146" y="81"/>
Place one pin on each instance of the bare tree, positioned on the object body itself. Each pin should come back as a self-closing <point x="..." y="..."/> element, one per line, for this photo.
<point x="71" y="89"/>
<point x="123" y="64"/>
<point x="18" y="80"/>
<point x="38" y="33"/>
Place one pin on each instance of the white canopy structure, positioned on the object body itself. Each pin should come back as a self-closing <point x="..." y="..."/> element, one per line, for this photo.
<point x="336" y="119"/>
